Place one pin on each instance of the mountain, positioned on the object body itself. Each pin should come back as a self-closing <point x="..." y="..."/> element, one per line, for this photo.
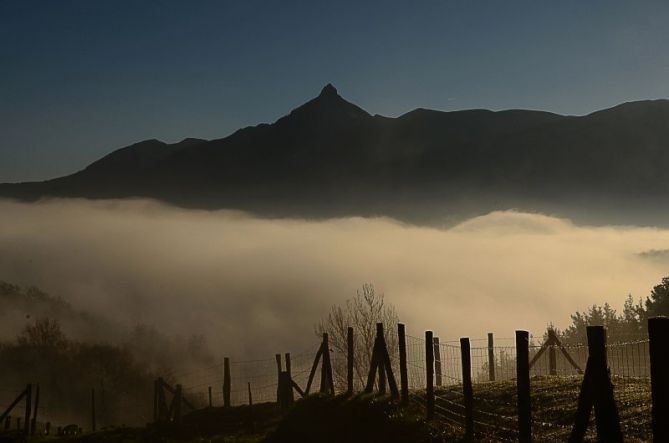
<point x="330" y="157"/>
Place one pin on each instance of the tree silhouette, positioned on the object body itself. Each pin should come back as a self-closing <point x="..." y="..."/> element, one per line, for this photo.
<point x="658" y="301"/>
<point x="362" y="313"/>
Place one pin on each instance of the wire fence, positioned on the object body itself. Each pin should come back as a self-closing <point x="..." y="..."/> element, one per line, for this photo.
<point x="554" y="392"/>
<point x="556" y="375"/>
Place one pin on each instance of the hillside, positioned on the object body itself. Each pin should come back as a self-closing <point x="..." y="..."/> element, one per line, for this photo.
<point x="329" y="157"/>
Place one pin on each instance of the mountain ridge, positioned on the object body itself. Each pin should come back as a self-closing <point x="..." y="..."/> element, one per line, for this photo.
<point x="329" y="157"/>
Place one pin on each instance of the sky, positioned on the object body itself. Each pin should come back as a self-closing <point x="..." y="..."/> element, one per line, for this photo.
<point x="79" y="79"/>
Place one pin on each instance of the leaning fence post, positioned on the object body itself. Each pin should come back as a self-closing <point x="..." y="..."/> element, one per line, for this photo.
<point x="467" y="391"/>
<point x="29" y="396"/>
<point x="33" y="423"/>
<point x="349" y="360"/>
<point x="552" y="357"/>
<point x="404" y="378"/>
<point x="429" y="374"/>
<point x="491" y="357"/>
<point x="226" y="382"/>
<point x="250" y="396"/>
<point x="523" y="386"/>
<point x="658" y="335"/>
<point x="437" y="361"/>
<point x="597" y="391"/>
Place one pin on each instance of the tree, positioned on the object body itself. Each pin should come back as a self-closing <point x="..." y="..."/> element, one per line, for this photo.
<point x="43" y="332"/>
<point x="658" y="301"/>
<point x="362" y="313"/>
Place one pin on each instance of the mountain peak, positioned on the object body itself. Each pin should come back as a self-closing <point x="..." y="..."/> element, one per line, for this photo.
<point x="328" y="91"/>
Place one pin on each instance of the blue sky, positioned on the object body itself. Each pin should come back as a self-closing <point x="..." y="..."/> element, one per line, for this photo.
<point x="82" y="78"/>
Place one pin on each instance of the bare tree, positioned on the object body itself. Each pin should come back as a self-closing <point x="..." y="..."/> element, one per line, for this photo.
<point x="43" y="332"/>
<point x="362" y="313"/>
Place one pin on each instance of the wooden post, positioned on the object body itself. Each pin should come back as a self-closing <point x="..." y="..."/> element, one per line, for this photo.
<point x="226" y="382"/>
<point x="29" y="397"/>
<point x="552" y="357"/>
<point x="597" y="391"/>
<point x="33" y="423"/>
<point x="327" y="382"/>
<point x="658" y="335"/>
<point x="47" y="428"/>
<point x="288" y="382"/>
<point x="18" y="424"/>
<point x="429" y="374"/>
<point x="93" y="409"/>
<point x="404" y="378"/>
<point x="467" y="391"/>
<point x="278" y="375"/>
<point x="349" y="360"/>
<point x="382" y="371"/>
<point x="210" y="403"/>
<point x="523" y="386"/>
<point x="250" y="396"/>
<point x="8" y="422"/>
<point x="437" y="361"/>
<point x="278" y="363"/>
<point x="491" y="357"/>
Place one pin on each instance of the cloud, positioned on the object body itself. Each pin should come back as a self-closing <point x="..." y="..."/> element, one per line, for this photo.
<point x="257" y="286"/>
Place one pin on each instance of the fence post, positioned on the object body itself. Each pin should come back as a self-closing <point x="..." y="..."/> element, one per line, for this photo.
<point x="210" y="403"/>
<point x="250" y="396"/>
<point x="552" y="358"/>
<point x="327" y="382"/>
<point x="226" y="382"/>
<point x="278" y="377"/>
<point x="491" y="357"/>
<point x="597" y="391"/>
<point x="437" y="361"/>
<point x="523" y="386"/>
<point x="404" y="377"/>
<point x="429" y="374"/>
<point x="29" y="397"/>
<point x="349" y="360"/>
<point x="8" y="422"/>
<point x="382" y="369"/>
<point x="33" y="423"/>
<point x="290" y="396"/>
<point x="467" y="391"/>
<point x="658" y="335"/>
<point x="93" y="409"/>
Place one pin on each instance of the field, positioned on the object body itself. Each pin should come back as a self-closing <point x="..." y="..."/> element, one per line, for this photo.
<point x="365" y="418"/>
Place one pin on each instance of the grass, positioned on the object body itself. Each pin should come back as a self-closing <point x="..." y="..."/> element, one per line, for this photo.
<point x="368" y="418"/>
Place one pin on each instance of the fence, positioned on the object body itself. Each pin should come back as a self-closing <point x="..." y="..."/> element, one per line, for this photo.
<point x="507" y="389"/>
<point x="498" y="389"/>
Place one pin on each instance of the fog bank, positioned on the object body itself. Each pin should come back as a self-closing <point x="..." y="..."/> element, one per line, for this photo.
<point x="255" y="286"/>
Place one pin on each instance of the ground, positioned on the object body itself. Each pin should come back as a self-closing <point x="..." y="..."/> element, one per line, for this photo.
<point x="369" y="418"/>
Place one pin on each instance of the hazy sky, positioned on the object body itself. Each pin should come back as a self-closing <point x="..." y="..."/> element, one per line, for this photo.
<point x="81" y="78"/>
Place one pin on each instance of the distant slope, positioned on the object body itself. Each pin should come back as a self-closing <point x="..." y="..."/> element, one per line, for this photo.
<point x="330" y="157"/>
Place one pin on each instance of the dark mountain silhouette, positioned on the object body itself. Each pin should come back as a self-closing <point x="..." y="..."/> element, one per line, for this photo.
<point x="329" y="157"/>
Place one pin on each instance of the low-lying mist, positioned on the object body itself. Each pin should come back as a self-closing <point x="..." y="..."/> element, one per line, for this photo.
<point x="254" y="286"/>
